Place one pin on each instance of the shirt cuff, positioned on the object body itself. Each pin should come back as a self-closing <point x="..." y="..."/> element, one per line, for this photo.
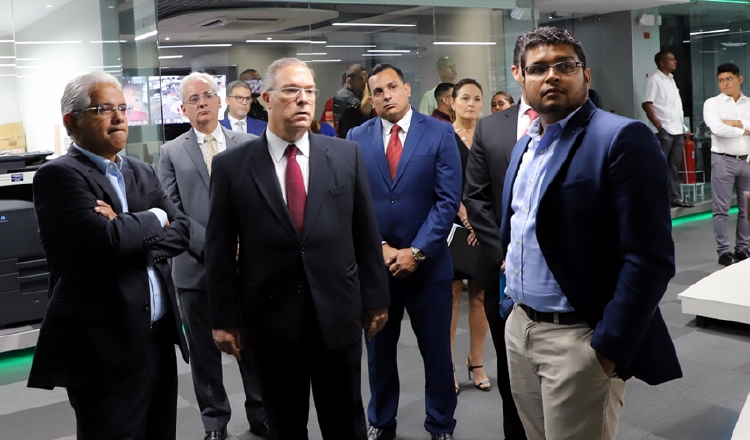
<point x="745" y="124"/>
<point x="161" y="215"/>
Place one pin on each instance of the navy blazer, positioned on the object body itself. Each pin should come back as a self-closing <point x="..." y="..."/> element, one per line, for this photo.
<point x="417" y="208"/>
<point x="254" y="126"/>
<point x="605" y="230"/>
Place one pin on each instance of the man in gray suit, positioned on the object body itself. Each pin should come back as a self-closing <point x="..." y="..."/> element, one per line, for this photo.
<point x="184" y="170"/>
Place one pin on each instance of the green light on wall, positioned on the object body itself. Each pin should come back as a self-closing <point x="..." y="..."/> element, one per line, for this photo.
<point x="15" y="360"/>
<point x="740" y="2"/>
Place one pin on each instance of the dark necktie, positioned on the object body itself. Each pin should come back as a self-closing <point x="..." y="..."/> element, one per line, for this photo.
<point x="393" y="152"/>
<point x="296" y="197"/>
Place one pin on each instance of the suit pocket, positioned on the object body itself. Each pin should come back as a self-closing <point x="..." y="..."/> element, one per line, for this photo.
<point x="333" y="192"/>
<point x="579" y="183"/>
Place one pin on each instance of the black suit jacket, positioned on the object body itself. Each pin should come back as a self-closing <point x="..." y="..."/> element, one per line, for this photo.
<point x="96" y="331"/>
<point x="494" y="138"/>
<point x="338" y="258"/>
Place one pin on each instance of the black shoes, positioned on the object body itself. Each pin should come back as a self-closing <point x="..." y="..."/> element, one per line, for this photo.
<point x="681" y="204"/>
<point x="216" y="435"/>
<point x="441" y="436"/>
<point x="388" y="433"/>
<point x="742" y="255"/>
<point x="259" y="428"/>
<point x="727" y="259"/>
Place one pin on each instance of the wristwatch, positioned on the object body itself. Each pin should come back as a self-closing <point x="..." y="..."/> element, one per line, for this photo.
<point x="419" y="256"/>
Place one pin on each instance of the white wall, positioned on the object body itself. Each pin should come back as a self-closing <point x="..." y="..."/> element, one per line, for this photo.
<point x="643" y="58"/>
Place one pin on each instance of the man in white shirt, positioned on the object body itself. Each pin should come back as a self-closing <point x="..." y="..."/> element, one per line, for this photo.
<point x="239" y="100"/>
<point x="447" y="71"/>
<point x="727" y="115"/>
<point x="663" y="106"/>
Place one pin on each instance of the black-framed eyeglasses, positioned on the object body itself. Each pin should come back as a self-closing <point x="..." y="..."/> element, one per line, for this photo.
<point x="293" y="92"/>
<point x="107" y="110"/>
<point x="194" y="99"/>
<point x="561" y="68"/>
<point x="240" y="99"/>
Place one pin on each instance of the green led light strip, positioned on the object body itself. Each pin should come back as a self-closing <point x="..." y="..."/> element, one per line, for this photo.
<point x="740" y="2"/>
<point x="698" y="217"/>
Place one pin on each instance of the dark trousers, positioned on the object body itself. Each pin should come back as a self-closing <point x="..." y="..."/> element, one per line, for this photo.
<point x="146" y="412"/>
<point x="206" y="367"/>
<point x="512" y="426"/>
<point x="673" y="146"/>
<point x="429" y="310"/>
<point x="287" y="371"/>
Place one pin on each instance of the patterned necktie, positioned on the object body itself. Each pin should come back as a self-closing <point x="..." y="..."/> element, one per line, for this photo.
<point x="296" y="197"/>
<point x="532" y="117"/>
<point x="393" y="152"/>
<point x="210" y="143"/>
<point x="240" y="126"/>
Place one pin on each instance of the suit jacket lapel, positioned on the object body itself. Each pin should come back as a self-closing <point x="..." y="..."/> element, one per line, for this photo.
<point x="416" y="128"/>
<point x="375" y="134"/>
<point x="263" y="173"/>
<point x="190" y="144"/>
<point x="98" y="177"/>
<point x="317" y="186"/>
<point x="509" y="132"/>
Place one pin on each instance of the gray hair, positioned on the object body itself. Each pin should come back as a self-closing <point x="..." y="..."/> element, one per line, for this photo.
<point x="234" y="84"/>
<point x="270" y="78"/>
<point x="77" y="94"/>
<point x="194" y="77"/>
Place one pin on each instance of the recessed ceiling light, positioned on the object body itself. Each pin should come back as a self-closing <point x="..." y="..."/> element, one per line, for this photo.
<point x="351" y="45"/>
<point x="49" y="6"/>
<point x="307" y="54"/>
<point x="388" y="51"/>
<point x="381" y="54"/>
<point x="374" y="24"/>
<point x="146" y="35"/>
<point x="323" y="61"/>
<point x="709" y="32"/>
<point x="167" y="39"/>
<point x="464" y="43"/>
<point x="167" y="57"/>
<point x="111" y="7"/>
<point x="196" y="45"/>
<point x="286" y="41"/>
<point x="48" y="42"/>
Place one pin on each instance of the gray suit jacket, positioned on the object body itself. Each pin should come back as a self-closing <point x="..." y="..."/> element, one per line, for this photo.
<point x="184" y="176"/>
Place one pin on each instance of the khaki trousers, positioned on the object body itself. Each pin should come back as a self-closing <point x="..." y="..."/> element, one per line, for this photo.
<point x="559" y="387"/>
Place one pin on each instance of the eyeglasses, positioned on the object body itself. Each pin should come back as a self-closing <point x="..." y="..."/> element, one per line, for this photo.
<point x="240" y="99"/>
<point x="194" y="99"/>
<point x="107" y="110"/>
<point x="293" y="92"/>
<point x="561" y="68"/>
<point x="727" y="80"/>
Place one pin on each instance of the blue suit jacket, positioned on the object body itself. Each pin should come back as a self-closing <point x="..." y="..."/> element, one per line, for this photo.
<point x="605" y="231"/>
<point x="417" y="208"/>
<point x="254" y="126"/>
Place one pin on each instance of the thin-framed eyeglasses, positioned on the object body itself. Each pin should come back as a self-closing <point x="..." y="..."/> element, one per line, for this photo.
<point x="293" y="92"/>
<point x="107" y="110"/>
<point x="561" y="68"/>
<point x="727" y="80"/>
<point x="194" y="99"/>
<point x="240" y="99"/>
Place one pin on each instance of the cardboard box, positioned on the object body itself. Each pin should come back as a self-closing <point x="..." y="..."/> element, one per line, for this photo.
<point x="12" y="138"/>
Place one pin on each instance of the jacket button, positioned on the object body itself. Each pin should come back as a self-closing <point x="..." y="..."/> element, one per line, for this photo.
<point x="303" y="251"/>
<point x="147" y="307"/>
<point x="393" y="201"/>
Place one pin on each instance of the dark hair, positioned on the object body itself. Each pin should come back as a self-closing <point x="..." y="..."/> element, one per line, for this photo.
<point x="385" y="66"/>
<point x="441" y="90"/>
<point x="517" y="51"/>
<point x="728" y="68"/>
<point x="462" y="83"/>
<point x="353" y="70"/>
<point x="660" y="56"/>
<point x="549" y="36"/>
<point x="506" y="95"/>
<point x="234" y="84"/>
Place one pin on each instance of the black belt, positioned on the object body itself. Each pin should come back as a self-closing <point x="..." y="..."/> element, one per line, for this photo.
<point x="567" y="318"/>
<point x="734" y="156"/>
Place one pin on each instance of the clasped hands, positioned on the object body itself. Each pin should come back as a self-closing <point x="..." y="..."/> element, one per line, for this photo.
<point x="400" y="262"/>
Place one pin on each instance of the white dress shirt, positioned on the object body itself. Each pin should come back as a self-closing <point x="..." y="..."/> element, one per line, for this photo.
<point x="404" y="124"/>
<point x="725" y="138"/>
<point x="524" y="120"/>
<point x="662" y="91"/>
<point x="218" y="134"/>
<point x="277" y="150"/>
<point x="233" y="123"/>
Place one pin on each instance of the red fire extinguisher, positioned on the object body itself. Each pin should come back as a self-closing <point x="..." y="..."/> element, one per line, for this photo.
<point x="688" y="167"/>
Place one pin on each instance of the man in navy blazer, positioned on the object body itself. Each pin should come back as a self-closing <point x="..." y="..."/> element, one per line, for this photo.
<point x="414" y="170"/>
<point x="587" y="232"/>
<point x="239" y="99"/>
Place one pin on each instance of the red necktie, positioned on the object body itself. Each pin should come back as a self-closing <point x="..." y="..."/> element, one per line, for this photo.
<point x="532" y="116"/>
<point x="393" y="152"/>
<point x="296" y="197"/>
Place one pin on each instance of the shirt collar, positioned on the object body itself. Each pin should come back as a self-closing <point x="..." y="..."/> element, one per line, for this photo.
<point x="99" y="161"/>
<point x="233" y="122"/>
<point x="727" y="98"/>
<point x="404" y="123"/>
<point x="662" y="74"/>
<point x="217" y="134"/>
<point x="277" y="146"/>
<point x="522" y="106"/>
<point x="536" y="125"/>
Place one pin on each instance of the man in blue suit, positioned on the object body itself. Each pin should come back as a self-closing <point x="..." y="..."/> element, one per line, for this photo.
<point x="239" y="99"/>
<point x="587" y="230"/>
<point x="414" y="170"/>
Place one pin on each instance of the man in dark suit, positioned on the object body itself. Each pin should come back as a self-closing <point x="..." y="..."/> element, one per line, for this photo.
<point x="238" y="106"/>
<point x="107" y="229"/>
<point x="310" y="270"/>
<point x="184" y="170"/>
<point x="415" y="175"/>
<point x="589" y="252"/>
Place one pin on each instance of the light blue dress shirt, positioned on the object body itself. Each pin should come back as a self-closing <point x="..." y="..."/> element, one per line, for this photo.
<point x="111" y="171"/>
<point x="529" y="279"/>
